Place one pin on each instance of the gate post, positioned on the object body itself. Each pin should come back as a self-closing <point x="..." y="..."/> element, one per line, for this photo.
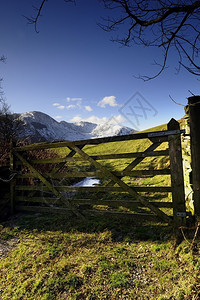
<point x="194" y="115"/>
<point x="177" y="179"/>
<point x="13" y="181"/>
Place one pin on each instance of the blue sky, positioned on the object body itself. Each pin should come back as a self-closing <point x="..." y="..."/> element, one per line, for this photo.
<point x="72" y="71"/>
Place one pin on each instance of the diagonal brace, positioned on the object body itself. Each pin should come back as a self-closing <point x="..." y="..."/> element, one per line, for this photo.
<point x="48" y="184"/>
<point x="122" y="184"/>
<point x="136" y="161"/>
<point x="62" y="164"/>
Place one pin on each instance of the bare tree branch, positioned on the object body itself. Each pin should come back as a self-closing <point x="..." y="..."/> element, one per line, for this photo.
<point x="2" y="59"/>
<point x="162" y="24"/>
<point x="34" y="20"/>
<point x="165" y="24"/>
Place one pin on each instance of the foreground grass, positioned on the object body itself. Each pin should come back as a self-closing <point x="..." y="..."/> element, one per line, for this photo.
<point x="61" y="258"/>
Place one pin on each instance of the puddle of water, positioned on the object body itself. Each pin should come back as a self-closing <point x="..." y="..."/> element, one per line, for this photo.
<point x="88" y="181"/>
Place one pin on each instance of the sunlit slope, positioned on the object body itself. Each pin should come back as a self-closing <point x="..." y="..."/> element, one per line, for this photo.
<point x="130" y="147"/>
<point x="140" y="145"/>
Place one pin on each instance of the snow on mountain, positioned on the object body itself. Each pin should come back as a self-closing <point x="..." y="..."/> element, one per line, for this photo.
<point x="109" y="129"/>
<point x="40" y="127"/>
<point x="86" y="127"/>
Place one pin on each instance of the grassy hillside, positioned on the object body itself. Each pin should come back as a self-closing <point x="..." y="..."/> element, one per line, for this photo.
<point x="124" y="147"/>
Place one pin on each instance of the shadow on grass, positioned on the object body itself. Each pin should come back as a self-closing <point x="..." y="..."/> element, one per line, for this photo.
<point x="122" y="230"/>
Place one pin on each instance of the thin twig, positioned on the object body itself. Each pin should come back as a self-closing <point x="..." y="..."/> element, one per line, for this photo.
<point x="184" y="235"/>
<point x="175" y="101"/>
<point x="195" y="235"/>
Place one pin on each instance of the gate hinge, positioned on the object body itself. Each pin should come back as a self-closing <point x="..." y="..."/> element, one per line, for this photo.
<point x="184" y="214"/>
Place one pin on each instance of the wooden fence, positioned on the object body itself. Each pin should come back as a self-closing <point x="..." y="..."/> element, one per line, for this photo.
<point x="43" y="184"/>
<point x="5" y="178"/>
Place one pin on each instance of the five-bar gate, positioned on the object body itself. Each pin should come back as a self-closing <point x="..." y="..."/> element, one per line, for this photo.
<point x="45" y="184"/>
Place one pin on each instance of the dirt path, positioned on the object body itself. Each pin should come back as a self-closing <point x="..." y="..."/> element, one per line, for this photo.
<point x="6" y="246"/>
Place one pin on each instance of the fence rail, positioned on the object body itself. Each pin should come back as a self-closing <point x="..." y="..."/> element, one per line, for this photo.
<point x="50" y="188"/>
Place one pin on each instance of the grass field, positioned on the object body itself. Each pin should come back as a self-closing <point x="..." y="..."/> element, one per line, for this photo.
<point x="56" y="257"/>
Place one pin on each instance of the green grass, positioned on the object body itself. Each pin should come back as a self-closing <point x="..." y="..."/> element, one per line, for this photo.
<point x="123" y="147"/>
<point x="64" y="258"/>
<point x="121" y="164"/>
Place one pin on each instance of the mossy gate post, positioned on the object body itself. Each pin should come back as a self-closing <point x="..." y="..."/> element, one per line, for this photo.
<point x="194" y="118"/>
<point x="177" y="178"/>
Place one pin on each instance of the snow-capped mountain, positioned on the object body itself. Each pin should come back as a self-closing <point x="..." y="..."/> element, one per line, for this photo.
<point x="40" y="127"/>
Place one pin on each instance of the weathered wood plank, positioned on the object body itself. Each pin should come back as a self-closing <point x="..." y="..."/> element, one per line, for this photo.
<point x="62" y="161"/>
<point x="67" y="188"/>
<point x="152" y="189"/>
<point x="133" y="216"/>
<point x="56" y="160"/>
<point x="144" y="172"/>
<point x="37" y="199"/>
<point x="131" y="155"/>
<point x="177" y="179"/>
<point x="116" y="203"/>
<point x="112" y="203"/>
<point x="133" y="189"/>
<point x="64" y="175"/>
<point x="47" y="184"/>
<point x="13" y="181"/>
<point x="124" y="203"/>
<point x="136" y="136"/>
<point x="42" y="209"/>
<point x="99" y="174"/>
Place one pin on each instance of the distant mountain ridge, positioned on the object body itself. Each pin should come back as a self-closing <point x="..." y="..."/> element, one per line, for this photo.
<point x="40" y="127"/>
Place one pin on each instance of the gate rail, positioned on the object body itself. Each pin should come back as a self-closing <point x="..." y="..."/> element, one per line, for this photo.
<point x="29" y="197"/>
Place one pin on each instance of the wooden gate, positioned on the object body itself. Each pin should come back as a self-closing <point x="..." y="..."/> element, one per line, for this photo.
<point x="45" y="184"/>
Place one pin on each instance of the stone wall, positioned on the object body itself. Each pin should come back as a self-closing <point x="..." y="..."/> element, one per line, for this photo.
<point x="187" y="162"/>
